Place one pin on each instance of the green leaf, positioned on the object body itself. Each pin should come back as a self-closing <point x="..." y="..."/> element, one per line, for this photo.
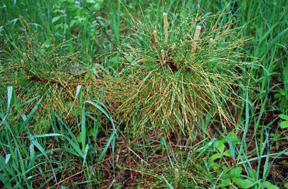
<point x="215" y="156"/>
<point x="284" y="125"/>
<point x="236" y="171"/>
<point x="214" y="166"/>
<point x="269" y="185"/>
<point x="286" y="185"/>
<point x="245" y="183"/>
<point x="220" y="146"/>
<point x="225" y="182"/>
<point x="79" y="136"/>
<point x="233" y="138"/>
<point x="119" y="166"/>
<point x="55" y="19"/>
<point x="282" y="116"/>
<point x="224" y="168"/>
<point x="282" y="92"/>
<point x="100" y="1"/>
<point x="91" y="132"/>
<point x="73" y="7"/>
<point x="72" y="23"/>
<point x="97" y="7"/>
<point x="227" y="153"/>
<point x="237" y="180"/>
<point x="57" y="26"/>
<point x="276" y="96"/>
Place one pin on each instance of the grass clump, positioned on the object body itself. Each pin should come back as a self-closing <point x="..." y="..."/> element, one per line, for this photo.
<point x="53" y="68"/>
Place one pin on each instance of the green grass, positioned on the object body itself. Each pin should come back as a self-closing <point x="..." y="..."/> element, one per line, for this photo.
<point x="74" y="114"/>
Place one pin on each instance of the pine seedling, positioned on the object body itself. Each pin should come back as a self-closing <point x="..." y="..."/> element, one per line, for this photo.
<point x="49" y="73"/>
<point x="181" y="83"/>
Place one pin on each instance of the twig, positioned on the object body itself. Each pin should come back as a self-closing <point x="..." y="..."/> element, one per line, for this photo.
<point x="104" y="31"/>
<point x="69" y="178"/>
<point x="33" y="78"/>
<point x="138" y="156"/>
